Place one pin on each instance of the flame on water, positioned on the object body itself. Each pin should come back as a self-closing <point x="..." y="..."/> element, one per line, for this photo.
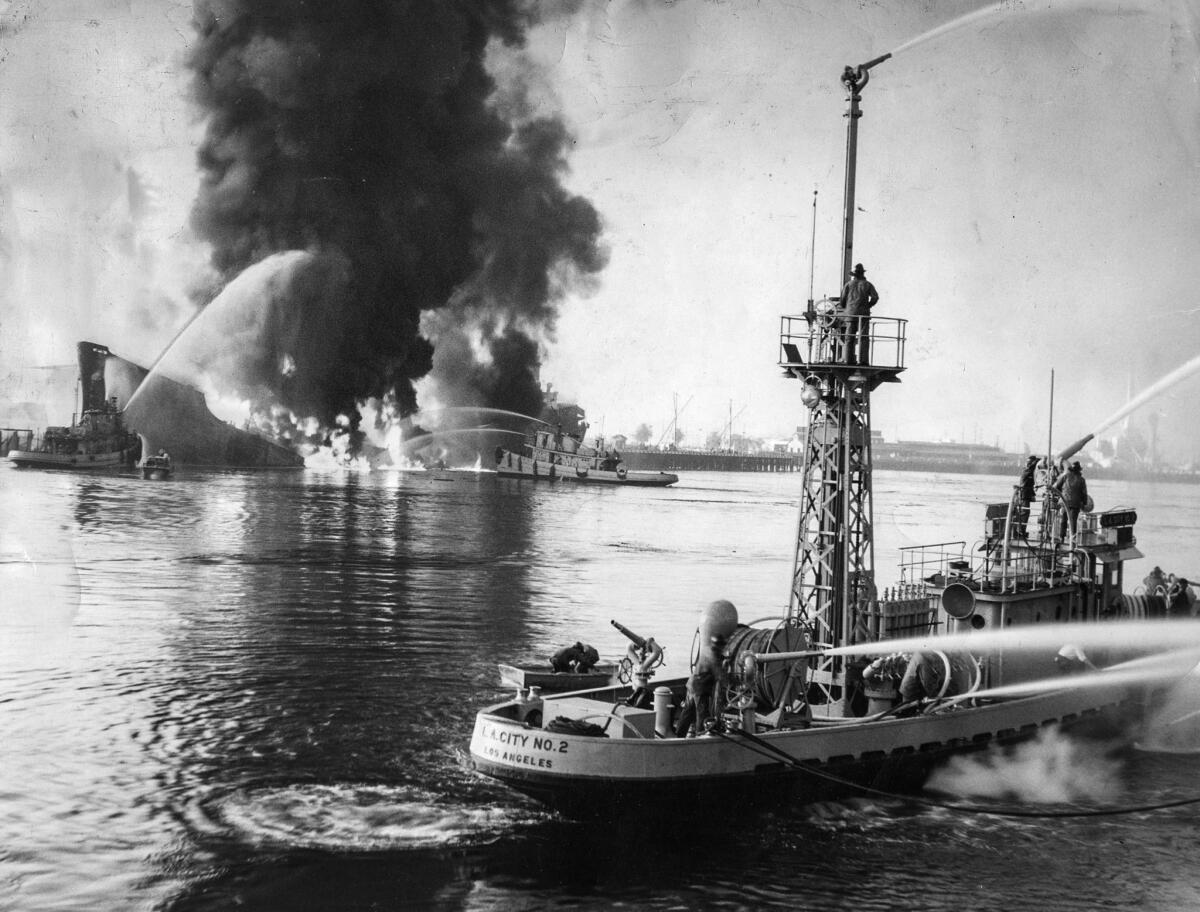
<point x="389" y="442"/>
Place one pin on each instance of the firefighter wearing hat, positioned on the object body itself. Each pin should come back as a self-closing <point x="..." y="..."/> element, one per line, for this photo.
<point x="858" y="297"/>
<point x="1073" y="489"/>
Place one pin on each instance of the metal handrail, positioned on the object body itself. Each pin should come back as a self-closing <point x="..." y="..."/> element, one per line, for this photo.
<point x="832" y="339"/>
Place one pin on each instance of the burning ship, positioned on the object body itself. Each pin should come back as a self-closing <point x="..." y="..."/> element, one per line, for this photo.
<point x="114" y="428"/>
<point x="855" y="686"/>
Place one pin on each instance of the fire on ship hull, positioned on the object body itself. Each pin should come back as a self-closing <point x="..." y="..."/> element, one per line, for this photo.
<point x="175" y="417"/>
<point x="166" y="415"/>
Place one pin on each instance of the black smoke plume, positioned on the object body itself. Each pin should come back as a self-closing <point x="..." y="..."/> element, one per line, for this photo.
<point x="368" y="133"/>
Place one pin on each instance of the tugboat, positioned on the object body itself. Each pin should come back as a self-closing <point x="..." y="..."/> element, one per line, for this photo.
<point x="855" y="686"/>
<point x="563" y="456"/>
<point x="99" y="440"/>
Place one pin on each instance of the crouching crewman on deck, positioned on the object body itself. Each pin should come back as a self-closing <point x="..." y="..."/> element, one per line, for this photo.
<point x="704" y="689"/>
<point x="567" y="658"/>
<point x="934" y="675"/>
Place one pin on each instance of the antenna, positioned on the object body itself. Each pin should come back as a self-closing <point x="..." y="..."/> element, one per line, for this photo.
<point x="811" y="313"/>
<point x="1050" y="430"/>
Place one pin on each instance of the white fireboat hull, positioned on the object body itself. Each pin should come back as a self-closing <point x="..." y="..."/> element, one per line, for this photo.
<point x="632" y="771"/>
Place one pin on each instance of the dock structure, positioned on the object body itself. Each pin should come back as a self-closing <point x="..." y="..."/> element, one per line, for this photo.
<point x="709" y="461"/>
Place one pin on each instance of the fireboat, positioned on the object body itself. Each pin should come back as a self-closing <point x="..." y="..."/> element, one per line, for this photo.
<point x="563" y="456"/>
<point x="855" y="686"/>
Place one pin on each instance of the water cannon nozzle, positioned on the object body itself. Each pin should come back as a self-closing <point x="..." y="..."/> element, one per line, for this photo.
<point x="1075" y="448"/>
<point x="855" y="78"/>
<point x="863" y="67"/>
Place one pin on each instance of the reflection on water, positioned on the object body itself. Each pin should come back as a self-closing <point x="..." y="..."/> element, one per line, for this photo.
<point x="255" y="690"/>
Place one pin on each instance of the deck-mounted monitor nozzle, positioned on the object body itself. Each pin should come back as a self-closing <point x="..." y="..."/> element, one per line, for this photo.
<point x="855" y="78"/>
<point x="638" y="641"/>
<point x="1074" y="448"/>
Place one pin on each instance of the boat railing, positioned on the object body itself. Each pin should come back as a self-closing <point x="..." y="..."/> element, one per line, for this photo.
<point x="934" y="564"/>
<point x="820" y="340"/>
<point x="16" y="439"/>
<point x="989" y="567"/>
<point x="1020" y="569"/>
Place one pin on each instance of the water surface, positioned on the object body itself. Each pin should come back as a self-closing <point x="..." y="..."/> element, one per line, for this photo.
<point x="254" y="691"/>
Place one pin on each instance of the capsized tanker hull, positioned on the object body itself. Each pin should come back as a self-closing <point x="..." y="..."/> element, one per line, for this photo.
<point x="175" y="417"/>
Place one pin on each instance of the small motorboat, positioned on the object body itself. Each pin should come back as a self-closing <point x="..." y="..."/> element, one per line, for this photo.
<point x="157" y="468"/>
<point x="547" y="680"/>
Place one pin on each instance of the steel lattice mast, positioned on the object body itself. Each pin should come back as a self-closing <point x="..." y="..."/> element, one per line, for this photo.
<point x="833" y="580"/>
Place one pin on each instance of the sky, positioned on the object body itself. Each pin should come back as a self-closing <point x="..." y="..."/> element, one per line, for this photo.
<point x="1026" y="200"/>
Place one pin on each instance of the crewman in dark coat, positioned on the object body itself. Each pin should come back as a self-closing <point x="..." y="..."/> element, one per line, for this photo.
<point x="858" y="297"/>
<point x="587" y="661"/>
<point x="1025" y="494"/>
<point x="567" y="657"/>
<point x="1073" y="488"/>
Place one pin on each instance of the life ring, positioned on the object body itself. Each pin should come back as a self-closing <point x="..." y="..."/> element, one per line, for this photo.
<point x="581" y="472"/>
<point x="622" y="472"/>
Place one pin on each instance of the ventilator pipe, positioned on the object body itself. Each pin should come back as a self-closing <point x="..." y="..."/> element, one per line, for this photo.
<point x="958" y="601"/>
<point x="1008" y="520"/>
<point x="662" y="712"/>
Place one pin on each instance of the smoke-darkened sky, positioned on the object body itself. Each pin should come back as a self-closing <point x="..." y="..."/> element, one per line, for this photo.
<point x="1026" y="200"/>
<point x="369" y="134"/>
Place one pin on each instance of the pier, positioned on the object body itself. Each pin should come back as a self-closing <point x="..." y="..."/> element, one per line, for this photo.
<point x="708" y="461"/>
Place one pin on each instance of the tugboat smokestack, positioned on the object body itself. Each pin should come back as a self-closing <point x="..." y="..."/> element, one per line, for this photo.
<point x="1075" y="447"/>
